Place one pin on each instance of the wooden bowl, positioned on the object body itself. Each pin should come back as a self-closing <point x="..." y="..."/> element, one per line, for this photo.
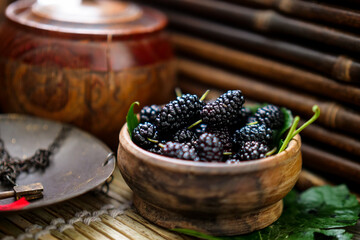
<point x="215" y="198"/>
<point x="84" y="64"/>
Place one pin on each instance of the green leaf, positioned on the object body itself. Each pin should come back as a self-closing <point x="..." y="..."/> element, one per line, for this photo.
<point x="131" y="118"/>
<point x="288" y="119"/>
<point x="254" y="107"/>
<point x="317" y="213"/>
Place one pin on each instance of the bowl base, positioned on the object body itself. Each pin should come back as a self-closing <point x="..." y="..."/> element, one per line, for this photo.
<point x="219" y="225"/>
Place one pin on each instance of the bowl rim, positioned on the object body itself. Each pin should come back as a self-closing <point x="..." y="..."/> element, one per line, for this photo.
<point x="202" y="167"/>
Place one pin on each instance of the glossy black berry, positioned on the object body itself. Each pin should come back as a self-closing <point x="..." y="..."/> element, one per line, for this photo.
<point x="245" y="115"/>
<point x="180" y="150"/>
<point x="253" y="150"/>
<point x="185" y="135"/>
<point x="149" y="113"/>
<point x="200" y="129"/>
<point x="224" y="111"/>
<point x="271" y="116"/>
<point x="225" y="137"/>
<point x="181" y="112"/>
<point x="251" y="119"/>
<point x="142" y="133"/>
<point x="233" y="161"/>
<point x="256" y="132"/>
<point x="155" y="149"/>
<point x="210" y="148"/>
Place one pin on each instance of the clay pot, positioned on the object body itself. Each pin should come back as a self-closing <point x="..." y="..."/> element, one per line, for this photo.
<point x="84" y="64"/>
<point x="215" y="198"/>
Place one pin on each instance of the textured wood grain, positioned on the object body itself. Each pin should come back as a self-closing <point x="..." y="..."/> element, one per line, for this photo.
<point x="215" y="198"/>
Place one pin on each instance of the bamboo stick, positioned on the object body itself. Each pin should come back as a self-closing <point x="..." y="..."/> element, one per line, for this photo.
<point x="353" y="4"/>
<point x="19" y="221"/>
<point x="73" y="234"/>
<point x="324" y="161"/>
<point x="44" y="215"/>
<point x="319" y="12"/>
<point x="122" y="228"/>
<point x="59" y="235"/>
<point x="108" y="231"/>
<point x="139" y="227"/>
<point x="161" y="231"/>
<point x="271" y="70"/>
<point x="333" y="115"/>
<point x="89" y="232"/>
<point x="333" y="139"/>
<point x="33" y="218"/>
<point x="338" y="67"/>
<point x="9" y="228"/>
<point x="309" y="10"/>
<point x="309" y="179"/>
<point x="268" y="21"/>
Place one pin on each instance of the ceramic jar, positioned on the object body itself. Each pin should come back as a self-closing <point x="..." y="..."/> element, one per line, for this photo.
<point x="84" y="63"/>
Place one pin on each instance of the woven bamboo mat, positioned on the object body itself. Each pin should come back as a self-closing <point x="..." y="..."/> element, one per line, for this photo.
<point x="94" y="215"/>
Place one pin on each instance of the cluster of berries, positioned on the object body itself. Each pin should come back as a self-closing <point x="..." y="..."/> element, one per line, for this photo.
<point x="225" y="130"/>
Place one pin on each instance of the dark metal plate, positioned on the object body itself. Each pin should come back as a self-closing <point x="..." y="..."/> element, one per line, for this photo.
<point x="77" y="167"/>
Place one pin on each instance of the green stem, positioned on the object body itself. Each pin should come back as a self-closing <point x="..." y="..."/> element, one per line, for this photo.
<point x="271" y="152"/>
<point x="227" y="153"/>
<point x="252" y="123"/>
<point x="178" y="92"/>
<point x="194" y="124"/>
<point x="289" y="135"/>
<point x="161" y="145"/>
<point x="152" y="140"/>
<point x="316" y="110"/>
<point x="204" y="95"/>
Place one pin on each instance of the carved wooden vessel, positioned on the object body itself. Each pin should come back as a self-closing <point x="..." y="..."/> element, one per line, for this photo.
<point x="215" y="198"/>
<point x="84" y="64"/>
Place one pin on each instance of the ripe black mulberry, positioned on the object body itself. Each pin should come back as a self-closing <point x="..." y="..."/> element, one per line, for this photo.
<point x="224" y="111"/>
<point x="210" y="148"/>
<point x="143" y="132"/>
<point x="271" y="116"/>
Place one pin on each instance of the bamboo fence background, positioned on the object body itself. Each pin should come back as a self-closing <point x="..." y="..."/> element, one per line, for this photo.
<point x="293" y="53"/>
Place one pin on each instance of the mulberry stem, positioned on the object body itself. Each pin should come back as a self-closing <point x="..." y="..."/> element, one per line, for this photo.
<point x="178" y="92"/>
<point x="227" y="153"/>
<point x="316" y="110"/>
<point x="252" y="123"/>
<point x="194" y="124"/>
<point x="152" y="140"/>
<point x="204" y="95"/>
<point x="271" y="152"/>
<point x="290" y="133"/>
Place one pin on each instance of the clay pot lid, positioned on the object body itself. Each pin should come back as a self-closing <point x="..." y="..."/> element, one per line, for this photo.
<point x="86" y="17"/>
